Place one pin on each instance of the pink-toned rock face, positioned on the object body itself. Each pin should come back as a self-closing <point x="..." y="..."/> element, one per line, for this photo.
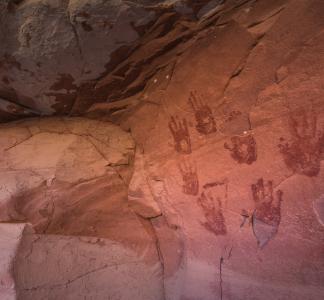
<point x="203" y="179"/>
<point x="235" y="155"/>
<point x="11" y="236"/>
<point x="47" y="161"/>
<point x="69" y="176"/>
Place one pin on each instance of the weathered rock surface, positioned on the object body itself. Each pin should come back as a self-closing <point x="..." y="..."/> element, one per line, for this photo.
<point x="54" y="52"/>
<point x="222" y="197"/>
<point x="235" y="147"/>
<point x="70" y="177"/>
<point x="83" y="268"/>
<point x="10" y="238"/>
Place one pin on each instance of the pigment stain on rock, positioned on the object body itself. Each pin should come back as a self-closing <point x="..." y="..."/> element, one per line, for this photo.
<point x="190" y="178"/>
<point x="205" y="121"/>
<point x="303" y="153"/>
<point x="243" y="149"/>
<point x="267" y="215"/>
<point x="180" y="133"/>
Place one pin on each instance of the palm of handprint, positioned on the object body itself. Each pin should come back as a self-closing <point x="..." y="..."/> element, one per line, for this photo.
<point x="180" y="133"/>
<point x="303" y="154"/>
<point x="267" y="214"/>
<point x="243" y="149"/>
<point x="190" y="178"/>
<point x="215" y="221"/>
<point x="203" y="114"/>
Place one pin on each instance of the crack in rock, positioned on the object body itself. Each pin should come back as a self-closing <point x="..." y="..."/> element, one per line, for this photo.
<point x="70" y="281"/>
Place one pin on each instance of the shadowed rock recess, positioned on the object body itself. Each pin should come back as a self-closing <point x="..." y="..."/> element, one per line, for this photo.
<point x="162" y="150"/>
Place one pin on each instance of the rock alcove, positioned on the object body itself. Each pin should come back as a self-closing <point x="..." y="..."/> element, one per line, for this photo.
<point x="162" y="149"/>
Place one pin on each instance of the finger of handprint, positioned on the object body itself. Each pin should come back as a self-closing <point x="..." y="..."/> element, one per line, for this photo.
<point x="200" y="101"/>
<point x="260" y="189"/>
<point x="174" y="123"/>
<point x="268" y="188"/>
<point x="228" y="147"/>
<point x="192" y="101"/>
<point x="179" y="124"/>
<point x="210" y="197"/>
<point x="195" y="98"/>
<point x="254" y="192"/>
<point x="171" y="128"/>
<point x="203" y="197"/>
<point x="260" y="185"/>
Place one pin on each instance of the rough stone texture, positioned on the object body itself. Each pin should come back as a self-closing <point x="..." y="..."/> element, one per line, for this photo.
<point x="54" y="52"/>
<point x="234" y="149"/>
<point x="10" y="239"/>
<point x="70" y="177"/>
<point x="46" y="161"/>
<point x="83" y="268"/>
<point x="222" y="197"/>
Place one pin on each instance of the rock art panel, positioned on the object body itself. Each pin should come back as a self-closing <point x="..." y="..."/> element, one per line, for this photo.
<point x="180" y="132"/>
<point x="243" y="149"/>
<point x="205" y="121"/>
<point x="189" y="177"/>
<point x="303" y="153"/>
<point x="267" y="215"/>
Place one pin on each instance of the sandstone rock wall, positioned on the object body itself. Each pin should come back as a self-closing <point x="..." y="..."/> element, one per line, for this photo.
<point x="69" y="176"/>
<point x="234" y="153"/>
<point x="204" y="168"/>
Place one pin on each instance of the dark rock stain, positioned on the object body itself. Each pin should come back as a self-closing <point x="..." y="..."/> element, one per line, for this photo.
<point x="180" y="133"/>
<point x="190" y="178"/>
<point x="205" y="122"/>
<point x="243" y="149"/>
<point x="215" y="221"/>
<point x="304" y="152"/>
<point x="267" y="215"/>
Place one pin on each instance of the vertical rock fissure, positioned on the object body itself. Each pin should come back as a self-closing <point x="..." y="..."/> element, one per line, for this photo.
<point x="221" y="261"/>
<point x="160" y="256"/>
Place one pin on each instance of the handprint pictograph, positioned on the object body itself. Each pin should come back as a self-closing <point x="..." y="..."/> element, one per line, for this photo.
<point x="267" y="214"/>
<point x="304" y="152"/>
<point x="190" y="178"/>
<point x="180" y="133"/>
<point x="203" y="114"/>
<point x="213" y="212"/>
<point x="243" y="149"/>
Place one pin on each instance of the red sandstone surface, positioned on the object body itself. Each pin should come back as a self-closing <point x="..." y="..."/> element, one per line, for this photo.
<point x="162" y="150"/>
